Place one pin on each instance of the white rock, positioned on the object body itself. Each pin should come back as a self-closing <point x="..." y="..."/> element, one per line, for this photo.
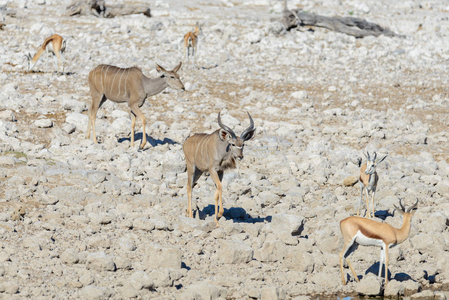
<point x="235" y="252"/>
<point x="43" y="123"/>
<point x="158" y="256"/>
<point x="94" y="292"/>
<point x="369" y="285"/>
<point x="141" y="280"/>
<point x="99" y="261"/>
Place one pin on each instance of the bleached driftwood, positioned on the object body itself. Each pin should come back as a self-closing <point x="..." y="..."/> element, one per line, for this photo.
<point x="100" y="9"/>
<point x="348" y="25"/>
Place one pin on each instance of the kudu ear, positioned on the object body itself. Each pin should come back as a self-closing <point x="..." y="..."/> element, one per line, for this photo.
<point x="176" y="69"/>
<point x="224" y="135"/>
<point x="250" y="131"/>
<point x="249" y="135"/>
<point x="160" y="69"/>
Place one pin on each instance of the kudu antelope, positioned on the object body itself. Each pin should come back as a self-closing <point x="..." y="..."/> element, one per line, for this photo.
<point x="191" y="42"/>
<point x="214" y="153"/>
<point x="127" y="85"/>
<point x="368" y="179"/>
<point x="55" y="45"/>
<point x="366" y="232"/>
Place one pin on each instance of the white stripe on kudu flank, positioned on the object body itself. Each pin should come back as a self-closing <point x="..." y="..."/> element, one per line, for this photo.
<point x="120" y="82"/>
<point x="105" y="78"/>
<point x="126" y="80"/>
<point x="101" y="78"/>
<point x="112" y="84"/>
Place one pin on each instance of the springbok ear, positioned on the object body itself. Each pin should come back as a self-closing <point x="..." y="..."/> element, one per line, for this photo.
<point x="176" y="69"/>
<point x="224" y="135"/>
<point x="400" y="211"/>
<point x="160" y="68"/>
<point x="249" y="135"/>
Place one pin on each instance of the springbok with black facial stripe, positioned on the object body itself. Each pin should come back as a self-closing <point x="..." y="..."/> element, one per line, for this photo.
<point x="214" y="153"/>
<point x="366" y="232"/>
<point x="368" y="180"/>
<point x="127" y="86"/>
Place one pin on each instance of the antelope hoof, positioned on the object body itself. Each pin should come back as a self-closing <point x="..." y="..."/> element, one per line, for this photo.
<point x="216" y="223"/>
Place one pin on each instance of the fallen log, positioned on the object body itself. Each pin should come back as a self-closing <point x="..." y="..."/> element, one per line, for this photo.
<point x="348" y="25"/>
<point x="100" y="9"/>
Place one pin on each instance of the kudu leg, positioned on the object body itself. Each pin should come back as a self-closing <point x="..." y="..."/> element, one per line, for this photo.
<point x="218" y="194"/>
<point x="97" y="100"/>
<point x="136" y="111"/>
<point x="221" y="210"/>
<point x="189" y="189"/>
<point x="193" y="174"/>
<point x="133" y="124"/>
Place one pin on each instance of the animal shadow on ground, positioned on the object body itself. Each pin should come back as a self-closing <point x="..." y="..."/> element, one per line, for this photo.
<point x="383" y="214"/>
<point x="430" y="278"/>
<point x="398" y="276"/>
<point x="236" y="214"/>
<point x="375" y="270"/>
<point x="153" y="142"/>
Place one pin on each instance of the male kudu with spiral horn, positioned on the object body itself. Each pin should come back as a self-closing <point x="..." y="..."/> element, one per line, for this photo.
<point x="214" y="153"/>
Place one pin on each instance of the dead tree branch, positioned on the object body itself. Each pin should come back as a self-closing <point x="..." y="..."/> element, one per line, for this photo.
<point x="348" y="25"/>
<point x="100" y="9"/>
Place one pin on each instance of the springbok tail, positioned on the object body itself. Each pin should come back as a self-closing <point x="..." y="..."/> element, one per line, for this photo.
<point x="351" y="180"/>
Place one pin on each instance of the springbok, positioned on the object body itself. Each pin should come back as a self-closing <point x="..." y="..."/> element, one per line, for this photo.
<point x="127" y="85"/>
<point x="55" y="45"/>
<point x="191" y="42"/>
<point x="362" y="231"/>
<point x="368" y="179"/>
<point x="214" y="153"/>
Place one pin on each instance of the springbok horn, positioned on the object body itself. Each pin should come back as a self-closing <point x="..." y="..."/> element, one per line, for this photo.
<point x="375" y="156"/>
<point x="414" y="205"/>
<point x="226" y="128"/>
<point x="402" y="206"/>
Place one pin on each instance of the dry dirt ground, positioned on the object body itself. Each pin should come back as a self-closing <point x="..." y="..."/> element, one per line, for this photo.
<point x="319" y="99"/>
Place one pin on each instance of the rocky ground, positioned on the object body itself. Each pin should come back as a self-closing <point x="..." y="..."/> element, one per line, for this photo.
<point x="95" y="221"/>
